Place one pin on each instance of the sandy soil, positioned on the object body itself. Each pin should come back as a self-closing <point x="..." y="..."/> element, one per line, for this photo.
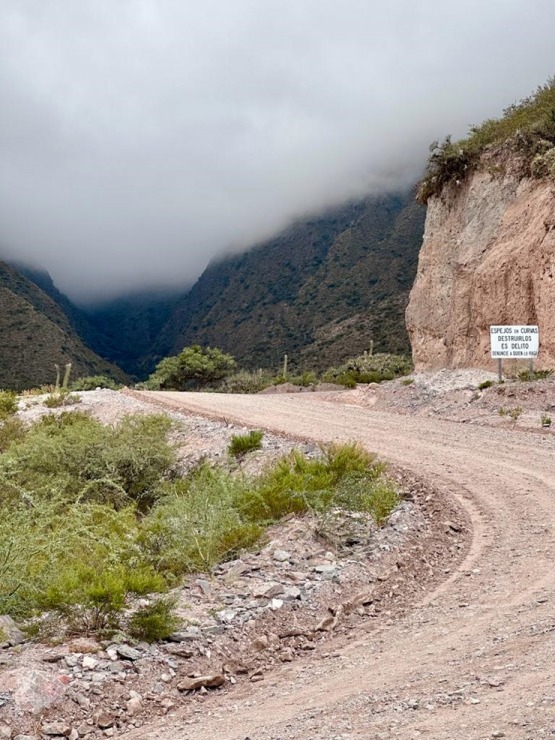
<point x="475" y="657"/>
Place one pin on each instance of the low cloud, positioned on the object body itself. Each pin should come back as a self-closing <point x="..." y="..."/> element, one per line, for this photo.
<point x="141" y="138"/>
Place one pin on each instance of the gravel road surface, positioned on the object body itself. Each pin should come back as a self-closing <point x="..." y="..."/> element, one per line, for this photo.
<point x="476" y="657"/>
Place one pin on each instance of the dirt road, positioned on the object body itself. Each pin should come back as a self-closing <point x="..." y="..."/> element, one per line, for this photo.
<point x="476" y="658"/>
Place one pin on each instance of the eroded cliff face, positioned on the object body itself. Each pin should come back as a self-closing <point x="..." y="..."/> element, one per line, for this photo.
<point x="488" y="257"/>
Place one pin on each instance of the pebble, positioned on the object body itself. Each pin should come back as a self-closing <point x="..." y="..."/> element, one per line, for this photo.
<point x="281" y="556"/>
<point x="126" y="651"/>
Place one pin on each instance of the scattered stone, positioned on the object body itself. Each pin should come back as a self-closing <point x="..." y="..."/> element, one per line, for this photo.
<point x="204" y="586"/>
<point x="211" y="681"/>
<point x="89" y="662"/>
<point x="56" y="729"/>
<point x="85" y="729"/>
<point x="104" y="721"/>
<point x="235" y="667"/>
<point x="326" y="570"/>
<point x="32" y="690"/>
<point x="126" y="651"/>
<point x="257" y="676"/>
<point x="281" y="556"/>
<point x="267" y="590"/>
<point x="260" y="643"/>
<point x="5" y="732"/>
<point x="134" y="705"/>
<point x="10" y="634"/>
<point x="191" y="633"/>
<point x="180" y="651"/>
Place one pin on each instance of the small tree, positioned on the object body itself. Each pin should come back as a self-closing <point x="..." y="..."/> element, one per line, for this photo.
<point x="193" y="367"/>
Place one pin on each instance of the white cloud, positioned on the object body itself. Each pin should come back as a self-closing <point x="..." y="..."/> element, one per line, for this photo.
<point x="138" y="139"/>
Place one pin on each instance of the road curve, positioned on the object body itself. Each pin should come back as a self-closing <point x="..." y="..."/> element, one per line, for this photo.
<point x="476" y="657"/>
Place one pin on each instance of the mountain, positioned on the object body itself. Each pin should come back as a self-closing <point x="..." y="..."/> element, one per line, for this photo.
<point x="488" y="256"/>
<point x="36" y="334"/>
<point x="127" y="329"/>
<point x="321" y="291"/>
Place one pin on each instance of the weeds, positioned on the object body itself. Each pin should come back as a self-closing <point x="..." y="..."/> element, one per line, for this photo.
<point x="61" y="398"/>
<point x="153" y="622"/>
<point x="545" y="421"/>
<point x="92" y="382"/>
<point x="530" y="375"/>
<point x="485" y="384"/>
<point x="8" y="403"/>
<point x="242" y="443"/>
<point x="92" y="516"/>
<point x="527" y="128"/>
<point x="513" y="413"/>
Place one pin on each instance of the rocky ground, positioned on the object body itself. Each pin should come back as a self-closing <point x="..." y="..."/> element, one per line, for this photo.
<point x="455" y="395"/>
<point x="314" y="581"/>
<point x="314" y="577"/>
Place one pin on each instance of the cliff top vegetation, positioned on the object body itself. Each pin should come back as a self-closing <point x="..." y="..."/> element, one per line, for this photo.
<point x="527" y="128"/>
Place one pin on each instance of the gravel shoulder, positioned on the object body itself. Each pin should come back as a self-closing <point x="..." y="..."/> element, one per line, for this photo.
<point x="474" y="656"/>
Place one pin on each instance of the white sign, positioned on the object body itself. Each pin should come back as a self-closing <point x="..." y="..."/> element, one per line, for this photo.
<point x="514" y="341"/>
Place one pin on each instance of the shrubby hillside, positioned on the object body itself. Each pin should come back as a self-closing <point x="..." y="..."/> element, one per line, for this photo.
<point x="321" y="291"/>
<point x="36" y="334"/>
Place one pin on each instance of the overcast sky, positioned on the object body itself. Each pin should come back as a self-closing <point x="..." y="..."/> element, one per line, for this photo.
<point x="139" y="138"/>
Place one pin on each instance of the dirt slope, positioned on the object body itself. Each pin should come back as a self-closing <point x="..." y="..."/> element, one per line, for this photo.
<point x="476" y="658"/>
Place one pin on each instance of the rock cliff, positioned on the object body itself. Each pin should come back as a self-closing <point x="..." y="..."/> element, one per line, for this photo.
<point x="488" y="257"/>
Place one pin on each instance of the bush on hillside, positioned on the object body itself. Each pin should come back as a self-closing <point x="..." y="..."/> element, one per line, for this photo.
<point x="92" y="382"/>
<point x="367" y="368"/>
<point x="193" y="368"/>
<point x="82" y="460"/>
<point x="8" y="403"/>
<point x="527" y="128"/>
<point x="245" y="381"/>
<point x="92" y="516"/>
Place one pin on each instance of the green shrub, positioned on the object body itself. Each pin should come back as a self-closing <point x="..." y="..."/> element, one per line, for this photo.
<point x="296" y="484"/>
<point x="12" y="429"/>
<point x="242" y="443"/>
<point x="545" y="420"/>
<point x="485" y="384"/>
<point x="8" y="403"/>
<point x="530" y="375"/>
<point x="198" y="524"/>
<point x="92" y="599"/>
<point x="367" y="368"/>
<point x="527" y="128"/>
<point x="92" y="382"/>
<point x="247" y="382"/>
<point x="50" y="551"/>
<point x="156" y="621"/>
<point x="305" y="380"/>
<point x="86" y="461"/>
<point x="194" y="367"/>
<point x="61" y="398"/>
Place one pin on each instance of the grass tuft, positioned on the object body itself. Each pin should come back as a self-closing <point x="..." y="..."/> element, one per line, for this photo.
<point x="242" y="443"/>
